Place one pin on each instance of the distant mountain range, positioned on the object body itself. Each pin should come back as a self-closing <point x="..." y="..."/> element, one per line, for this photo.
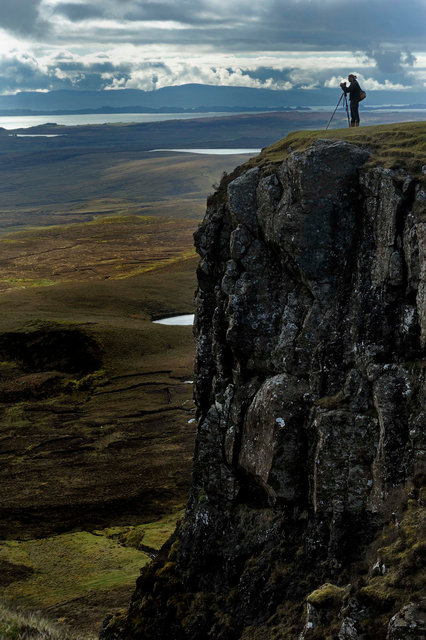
<point x="190" y="97"/>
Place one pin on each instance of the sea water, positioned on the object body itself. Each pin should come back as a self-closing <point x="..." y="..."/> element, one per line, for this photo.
<point x="23" y="122"/>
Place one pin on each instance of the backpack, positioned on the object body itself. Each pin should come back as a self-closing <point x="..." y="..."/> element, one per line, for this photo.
<point x="362" y="95"/>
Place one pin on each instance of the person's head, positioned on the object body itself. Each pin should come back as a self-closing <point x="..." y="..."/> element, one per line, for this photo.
<point x="351" y="77"/>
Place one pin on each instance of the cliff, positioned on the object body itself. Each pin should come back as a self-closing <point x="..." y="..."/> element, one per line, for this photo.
<point x="304" y="518"/>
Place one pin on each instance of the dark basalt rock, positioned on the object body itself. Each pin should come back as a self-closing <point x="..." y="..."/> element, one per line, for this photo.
<point x="410" y="622"/>
<point x="310" y="385"/>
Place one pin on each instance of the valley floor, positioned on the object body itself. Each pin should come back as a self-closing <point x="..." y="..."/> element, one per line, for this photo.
<point x="96" y="428"/>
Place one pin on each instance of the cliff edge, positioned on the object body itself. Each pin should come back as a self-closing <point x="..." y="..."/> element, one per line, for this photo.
<point x="305" y="514"/>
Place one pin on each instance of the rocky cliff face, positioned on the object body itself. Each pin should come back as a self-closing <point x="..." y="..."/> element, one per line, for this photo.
<point x="304" y="515"/>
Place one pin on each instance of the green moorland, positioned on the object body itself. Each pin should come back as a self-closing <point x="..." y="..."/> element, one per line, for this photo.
<point x="96" y="411"/>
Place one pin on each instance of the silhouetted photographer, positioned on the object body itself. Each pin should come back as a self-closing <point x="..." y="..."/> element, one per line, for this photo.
<point x="356" y="94"/>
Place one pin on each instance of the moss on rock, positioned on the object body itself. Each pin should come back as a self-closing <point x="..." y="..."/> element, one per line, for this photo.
<point x="328" y="594"/>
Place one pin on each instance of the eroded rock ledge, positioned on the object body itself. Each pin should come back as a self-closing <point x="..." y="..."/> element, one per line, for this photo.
<point x="310" y="385"/>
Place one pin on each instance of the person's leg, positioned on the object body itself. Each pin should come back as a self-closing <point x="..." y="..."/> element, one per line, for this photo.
<point x="355" y="113"/>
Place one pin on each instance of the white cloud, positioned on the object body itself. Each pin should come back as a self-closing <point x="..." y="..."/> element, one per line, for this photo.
<point x="9" y="43"/>
<point x="374" y="85"/>
<point x="141" y="67"/>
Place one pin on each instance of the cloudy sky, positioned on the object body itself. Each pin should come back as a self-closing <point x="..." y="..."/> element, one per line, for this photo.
<point x="147" y="44"/>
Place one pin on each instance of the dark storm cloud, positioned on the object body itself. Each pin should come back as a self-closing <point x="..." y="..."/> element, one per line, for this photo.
<point x="25" y="73"/>
<point x="22" y="17"/>
<point x="342" y="24"/>
<point x="68" y="65"/>
<point x="235" y="26"/>
<point x="391" y="61"/>
<point x="186" y="12"/>
<point x="393" y="65"/>
<point x="18" y="73"/>
<point x="295" y="76"/>
<point x="266" y="73"/>
<point x="270" y="25"/>
<point x="78" y="12"/>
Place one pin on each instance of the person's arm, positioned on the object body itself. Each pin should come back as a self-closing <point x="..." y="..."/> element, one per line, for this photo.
<point x="345" y="88"/>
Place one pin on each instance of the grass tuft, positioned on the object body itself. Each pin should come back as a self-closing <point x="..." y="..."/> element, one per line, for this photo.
<point x="19" y="625"/>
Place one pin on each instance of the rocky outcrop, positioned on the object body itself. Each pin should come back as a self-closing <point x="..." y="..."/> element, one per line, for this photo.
<point x="310" y="387"/>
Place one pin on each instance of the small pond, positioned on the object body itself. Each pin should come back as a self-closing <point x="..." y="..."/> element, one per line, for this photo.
<point x="187" y="319"/>
<point x="212" y="152"/>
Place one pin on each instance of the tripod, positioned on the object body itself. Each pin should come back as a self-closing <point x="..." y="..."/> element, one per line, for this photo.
<point x="345" y="102"/>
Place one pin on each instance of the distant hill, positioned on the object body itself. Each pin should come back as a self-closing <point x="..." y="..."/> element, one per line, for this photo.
<point x="191" y="96"/>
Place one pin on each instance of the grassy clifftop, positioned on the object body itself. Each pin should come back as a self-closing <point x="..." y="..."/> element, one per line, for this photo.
<point x="394" y="146"/>
<point x="399" y="146"/>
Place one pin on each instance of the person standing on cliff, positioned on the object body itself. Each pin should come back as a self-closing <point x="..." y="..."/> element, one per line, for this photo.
<point x="354" y="91"/>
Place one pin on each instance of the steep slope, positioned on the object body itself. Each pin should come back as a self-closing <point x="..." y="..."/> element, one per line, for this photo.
<point x="304" y="519"/>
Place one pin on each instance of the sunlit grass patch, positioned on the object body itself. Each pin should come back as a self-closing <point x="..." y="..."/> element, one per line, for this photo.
<point x="22" y="283"/>
<point x="123" y="271"/>
<point x="122" y="218"/>
<point x="68" y="566"/>
<point x="45" y="231"/>
<point x="151" y="535"/>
